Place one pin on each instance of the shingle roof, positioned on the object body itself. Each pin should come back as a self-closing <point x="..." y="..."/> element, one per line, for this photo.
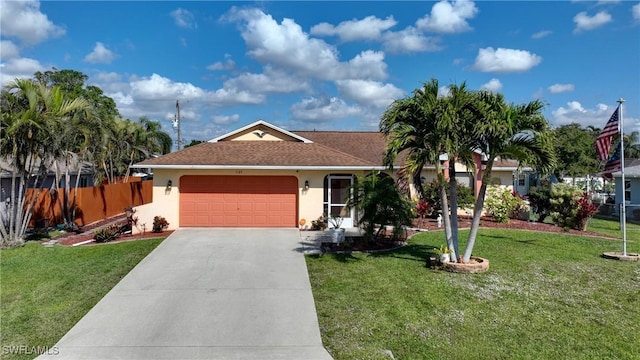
<point x="358" y="149"/>
<point x="367" y="145"/>
<point x="258" y="153"/>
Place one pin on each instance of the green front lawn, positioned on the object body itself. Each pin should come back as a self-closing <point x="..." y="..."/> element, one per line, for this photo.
<point x="613" y="228"/>
<point x="45" y="291"/>
<point x="546" y="296"/>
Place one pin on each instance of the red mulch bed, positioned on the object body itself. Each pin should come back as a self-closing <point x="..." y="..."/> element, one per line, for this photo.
<point x="71" y="238"/>
<point x="488" y="222"/>
<point x="463" y="222"/>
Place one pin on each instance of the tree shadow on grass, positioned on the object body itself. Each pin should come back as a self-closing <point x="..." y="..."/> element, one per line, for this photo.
<point x="341" y="257"/>
<point x="413" y="252"/>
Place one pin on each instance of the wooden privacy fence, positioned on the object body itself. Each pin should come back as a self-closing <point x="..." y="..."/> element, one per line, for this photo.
<point x="93" y="203"/>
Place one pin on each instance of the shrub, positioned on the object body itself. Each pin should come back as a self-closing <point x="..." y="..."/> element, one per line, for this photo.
<point x="571" y="208"/>
<point x="159" y="224"/>
<point x="108" y="233"/>
<point x="464" y="196"/>
<point x="380" y="203"/>
<point x="586" y="210"/>
<point x="422" y="208"/>
<point x="319" y="224"/>
<point x="503" y="204"/>
<point x="539" y="197"/>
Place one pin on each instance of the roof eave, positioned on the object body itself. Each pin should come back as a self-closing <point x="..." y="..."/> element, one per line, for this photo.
<point x="258" y="167"/>
<point x="261" y="122"/>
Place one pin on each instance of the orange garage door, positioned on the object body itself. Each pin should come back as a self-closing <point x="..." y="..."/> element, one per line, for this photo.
<point x="238" y="201"/>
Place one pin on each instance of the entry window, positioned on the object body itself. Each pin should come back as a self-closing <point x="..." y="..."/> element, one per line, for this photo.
<point x="336" y="195"/>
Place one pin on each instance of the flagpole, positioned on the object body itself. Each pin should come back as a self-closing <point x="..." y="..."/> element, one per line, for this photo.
<point x="624" y="187"/>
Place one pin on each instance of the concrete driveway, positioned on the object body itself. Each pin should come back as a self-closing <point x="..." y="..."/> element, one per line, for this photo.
<point x="206" y="294"/>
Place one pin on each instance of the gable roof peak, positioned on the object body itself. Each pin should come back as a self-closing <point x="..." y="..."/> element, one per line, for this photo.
<point x="261" y="122"/>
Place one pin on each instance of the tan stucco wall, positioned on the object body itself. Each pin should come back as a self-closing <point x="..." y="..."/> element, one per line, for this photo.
<point x="166" y="203"/>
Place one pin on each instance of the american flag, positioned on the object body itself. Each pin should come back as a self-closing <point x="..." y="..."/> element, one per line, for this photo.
<point x="603" y="142"/>
<point x="613" y="164"/>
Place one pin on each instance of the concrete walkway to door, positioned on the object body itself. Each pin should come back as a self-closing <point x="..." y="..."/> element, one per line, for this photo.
<point x="206" y="294"/>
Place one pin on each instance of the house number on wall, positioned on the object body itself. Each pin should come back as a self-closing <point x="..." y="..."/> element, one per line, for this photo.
<point x="238" y="171"/>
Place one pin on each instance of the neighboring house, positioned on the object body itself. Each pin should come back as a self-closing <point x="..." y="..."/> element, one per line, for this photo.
<point x="263" y="176"/>
<point x="631" y="188"/>
<point x="6" y="174"/>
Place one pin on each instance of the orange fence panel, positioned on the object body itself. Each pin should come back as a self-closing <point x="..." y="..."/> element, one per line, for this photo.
<point x="94" y="203"/>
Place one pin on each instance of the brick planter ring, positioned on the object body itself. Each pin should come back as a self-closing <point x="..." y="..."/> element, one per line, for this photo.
<point x="476" y="265"/>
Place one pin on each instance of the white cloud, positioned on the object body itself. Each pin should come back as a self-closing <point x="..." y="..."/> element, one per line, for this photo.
<point x="100" y="54"/>
<point x="585" y="22"/>
<point x="270" y="81"/>
<point x="369" y="93"/>
<point x="541" y="34"/>
<point x="409" y="40"/>
<point x="19" y="68"/>
<point x="448" y="17"/>
<point x="157" y="87"/>
<point x="575" y="112"/>
<point x="228" y="64"/>
<point x="598" y="116"/>
<point x="318" y="109"/>
<point x="505" y="60"/>
<point x="184" y="18"/>
<point x="444" y="91"/>
<point x="561" y="88"/>
<point x="8" y="50"/>
<point x="635" y="11"/>
<point x="121" y="99"/>
<point x="230" y="97"/>
<point x="494" y="85"/>
<point x="369" y="28"/>
<point x="225" y="119"/>
<point x="107" y="77"/>
<point x="23" y="20"/>
<point x="286" y="46"/>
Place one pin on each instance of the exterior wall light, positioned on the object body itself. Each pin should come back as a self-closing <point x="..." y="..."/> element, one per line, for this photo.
<point x="306" y="184"/>
<point x="169" y="184"/>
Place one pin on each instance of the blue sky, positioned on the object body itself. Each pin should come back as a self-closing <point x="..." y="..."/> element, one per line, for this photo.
<point x="329" y="65"/>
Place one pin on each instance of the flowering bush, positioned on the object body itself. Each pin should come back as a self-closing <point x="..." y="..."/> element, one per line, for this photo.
<point x="504" y="204"/>
<point x="571" y="208"/>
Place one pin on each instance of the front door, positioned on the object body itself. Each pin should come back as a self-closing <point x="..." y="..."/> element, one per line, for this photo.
<point x="336" y="197"/>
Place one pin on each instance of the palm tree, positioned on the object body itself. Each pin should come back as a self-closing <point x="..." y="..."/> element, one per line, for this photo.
<point x="455" y="130"/>
<point x="503" y="130"/>
<point x="632" y="145"/>
<point x="427" y="126"/>
<point x="77" y="136"/>
<point x="158" y="141"/>
<point x="31" y="115"/>
<point x="411" y="125"/>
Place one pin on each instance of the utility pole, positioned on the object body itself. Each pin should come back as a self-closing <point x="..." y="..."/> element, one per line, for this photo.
<point x="177" y="124"/>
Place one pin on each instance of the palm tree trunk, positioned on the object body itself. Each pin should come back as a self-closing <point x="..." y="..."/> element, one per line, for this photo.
<point x="445" y="205"/>
<point x="445" y="215"/>
<point x="453" y="192"/>
<point x="477" y="213"/>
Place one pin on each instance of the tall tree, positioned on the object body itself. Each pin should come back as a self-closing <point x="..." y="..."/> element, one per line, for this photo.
<point x="632" y="145"/>
<point x="158" y="142"/>
<point x="31" y="116"/>
<point x="504" y="130"/>
<point x="576" y="155"/>
<point x="411" y="126"/>
<point x="73" y="85"/>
